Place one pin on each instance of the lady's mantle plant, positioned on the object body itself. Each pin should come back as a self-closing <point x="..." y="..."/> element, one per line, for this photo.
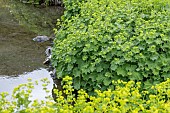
<point x="114" y="39"/>
<point x="126" y="98"/>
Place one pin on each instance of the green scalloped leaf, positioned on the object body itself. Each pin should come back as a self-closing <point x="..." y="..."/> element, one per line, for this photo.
<point x="107" y="81"/>
<point x="147" y="84"/>
<point x="100" y="77"/>
<point x="76" y="83"/>
<point x="69" y="67"/>
<point x="99" y="68"/>
<point x="166" y="75"/>
<point x="121" y="71"/>
<point x="93" y="76"/>
<point x="108" y="74"/>
<point x="136" y="76"/>
<point x="113" y="66"/>
<point x="76" y="72"/>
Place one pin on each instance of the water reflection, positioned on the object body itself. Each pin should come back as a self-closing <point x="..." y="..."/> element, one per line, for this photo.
<point x="40" y="20"/>
<point x="7" y="84"/>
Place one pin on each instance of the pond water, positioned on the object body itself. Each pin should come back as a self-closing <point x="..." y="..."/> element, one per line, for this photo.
<point x="8" y="83"/>
<point x="20" y="56"/>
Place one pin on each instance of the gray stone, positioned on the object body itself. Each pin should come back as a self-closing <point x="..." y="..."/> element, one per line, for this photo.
<point x="48" y="51"/>
<point x="41" y="39"/>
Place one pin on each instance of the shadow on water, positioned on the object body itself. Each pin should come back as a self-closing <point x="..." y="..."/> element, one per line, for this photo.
<point x="19" y="24"/>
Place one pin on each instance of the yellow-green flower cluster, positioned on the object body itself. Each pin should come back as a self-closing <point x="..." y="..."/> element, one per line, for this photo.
<point x="126" y="98"/>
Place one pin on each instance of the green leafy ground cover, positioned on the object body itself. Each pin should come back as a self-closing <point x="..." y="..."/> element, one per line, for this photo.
<point x="107" y="40"/>
<point x="126" y="98"/>
<point x="106" y="47"/>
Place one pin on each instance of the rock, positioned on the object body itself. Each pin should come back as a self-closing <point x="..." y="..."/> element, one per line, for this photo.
<point x="41" y="39"/>
<point x="48" y="51"/>
<point x="53" y="74"/>
<point x="50" y="68"/>
<point x="47" y="61"/>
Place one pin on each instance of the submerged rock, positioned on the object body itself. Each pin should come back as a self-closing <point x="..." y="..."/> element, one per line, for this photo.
<point x="41" y="38"/>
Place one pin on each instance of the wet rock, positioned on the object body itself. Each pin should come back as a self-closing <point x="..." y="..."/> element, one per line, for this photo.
<point x="53" y="74"/>
<point x="52" y="71"/>
<point x="41" y="38"/>
<point x="50" y="68"/>
<point x="48" y="51"/>
<point x="47" y="61"/>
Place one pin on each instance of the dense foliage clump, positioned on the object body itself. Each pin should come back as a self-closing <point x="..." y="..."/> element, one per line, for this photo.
<point x="126" y="98"/>
<point x="72" y="8"/>
<point x="114" y="39"/>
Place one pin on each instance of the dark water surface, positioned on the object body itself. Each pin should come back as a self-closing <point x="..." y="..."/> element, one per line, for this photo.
<point x="19" y="23"/>
<point x="20" y="56"/>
